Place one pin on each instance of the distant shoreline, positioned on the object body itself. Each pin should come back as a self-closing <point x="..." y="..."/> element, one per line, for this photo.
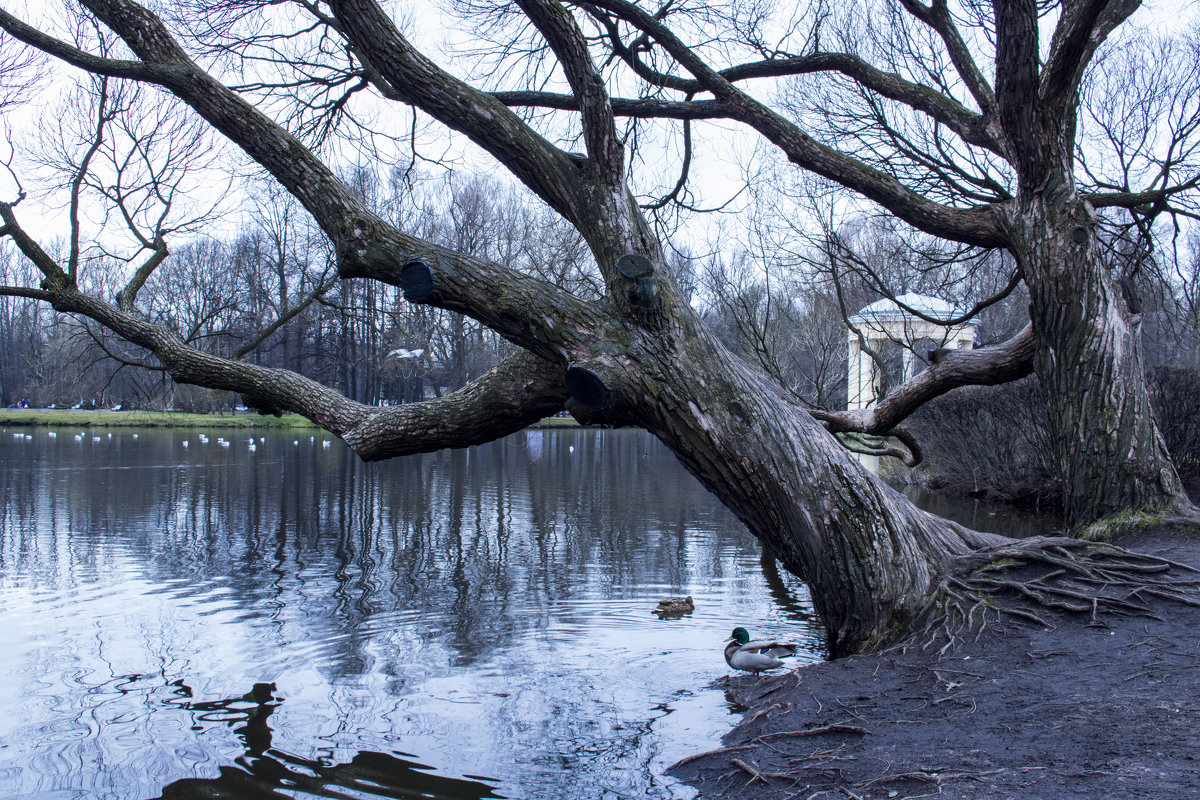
<point x="80" y="418"/>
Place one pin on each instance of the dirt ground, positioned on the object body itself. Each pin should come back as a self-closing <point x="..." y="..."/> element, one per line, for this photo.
<point x="1077" y="711"/>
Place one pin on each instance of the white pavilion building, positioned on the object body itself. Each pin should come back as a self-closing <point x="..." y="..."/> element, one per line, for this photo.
<point x="886" y="321"/>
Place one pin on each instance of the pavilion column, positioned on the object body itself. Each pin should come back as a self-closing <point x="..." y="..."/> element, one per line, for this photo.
<point x="860" y="374"/>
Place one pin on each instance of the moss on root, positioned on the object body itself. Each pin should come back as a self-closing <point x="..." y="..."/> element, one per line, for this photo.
<point x="1126" y="523"/>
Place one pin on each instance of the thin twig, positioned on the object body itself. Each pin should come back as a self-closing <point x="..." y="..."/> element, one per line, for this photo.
<point x="814" y="732"/>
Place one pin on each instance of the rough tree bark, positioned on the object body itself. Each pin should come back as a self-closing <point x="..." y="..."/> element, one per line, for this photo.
<point x="1089" y="363"/>
<point x="1088" y="354"/>
<point x="875" y="563"/>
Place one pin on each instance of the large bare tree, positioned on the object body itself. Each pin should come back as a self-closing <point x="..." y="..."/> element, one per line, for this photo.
<point x="640" y="354"/>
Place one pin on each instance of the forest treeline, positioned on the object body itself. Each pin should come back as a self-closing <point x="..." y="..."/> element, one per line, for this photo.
<point x="268" y="293"/>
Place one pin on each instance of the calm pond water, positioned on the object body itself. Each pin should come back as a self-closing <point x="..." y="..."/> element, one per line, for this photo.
<point x="466" y="624"/>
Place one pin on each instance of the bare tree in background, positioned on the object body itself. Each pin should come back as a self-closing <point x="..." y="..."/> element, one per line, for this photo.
<point x="780" y="320"/>
<point x="640" y="354"/>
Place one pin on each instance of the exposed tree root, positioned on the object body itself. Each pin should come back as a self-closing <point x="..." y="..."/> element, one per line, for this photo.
<point x="1022" y="578"/>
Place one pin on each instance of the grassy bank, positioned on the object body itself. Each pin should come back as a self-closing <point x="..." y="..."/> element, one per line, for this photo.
<point x="66" y="418"/>
<point x="557" y="422"/>
<point x="69" y="418"/>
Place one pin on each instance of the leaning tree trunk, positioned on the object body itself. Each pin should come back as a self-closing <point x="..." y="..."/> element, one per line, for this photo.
<point x="871" y="558"/>
<point x="1089" y="362"/>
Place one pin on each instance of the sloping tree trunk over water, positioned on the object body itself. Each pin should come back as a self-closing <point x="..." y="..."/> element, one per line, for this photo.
<point x="641" y="355"/>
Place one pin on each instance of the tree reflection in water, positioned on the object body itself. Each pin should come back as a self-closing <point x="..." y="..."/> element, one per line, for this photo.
<point x="264" y="772"/>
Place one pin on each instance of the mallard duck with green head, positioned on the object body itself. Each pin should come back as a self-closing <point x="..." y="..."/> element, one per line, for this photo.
<point x="755" y="656"/>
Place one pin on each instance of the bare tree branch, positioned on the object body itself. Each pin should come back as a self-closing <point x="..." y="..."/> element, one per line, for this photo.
<point x="54" y="274"/>
<point x="937" y="16"/>
<point x="1017" y="100"/>
<point x="1083" y="27"/>
<point x="967" y="124"/>
<point x="128" y="294"/>
<point x="415" y="79"/>
<point x="98" y="65"/>
<point x="514" y="395"/>
<point x="284" y="318"/>
<point x="567" y="42"/>
<point x="976" y="226"/>
<point x="22" y="291"/>
<point x="104" y="115"/>
<point x="1136" y="200"/>
<point x="649" y="108"/>
<point x="986" y="366"/>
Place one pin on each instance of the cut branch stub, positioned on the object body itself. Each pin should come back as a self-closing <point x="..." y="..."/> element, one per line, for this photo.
<point x="588" y="389"/>
<point x="638" y="272"/>
<point x="635" y="266"/>
<point x="263" y="406"/>
<point x="416" y="281"/>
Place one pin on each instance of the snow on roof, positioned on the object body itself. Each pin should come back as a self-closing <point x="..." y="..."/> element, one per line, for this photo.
<point x="886" y="310"/>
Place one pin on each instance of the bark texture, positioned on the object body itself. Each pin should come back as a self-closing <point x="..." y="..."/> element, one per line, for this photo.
<point x="1089" y="363"/>
<point x="1088" y="349"/>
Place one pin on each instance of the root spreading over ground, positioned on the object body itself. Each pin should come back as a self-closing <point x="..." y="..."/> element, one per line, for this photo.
<point x="1025" y="578"/>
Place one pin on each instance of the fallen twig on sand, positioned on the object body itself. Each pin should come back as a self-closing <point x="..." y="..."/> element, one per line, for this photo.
<point x="720" y="751"/>
<point x="937" y="777"/>
<point x="758" y="775"/>
<point x="814" y="732"/>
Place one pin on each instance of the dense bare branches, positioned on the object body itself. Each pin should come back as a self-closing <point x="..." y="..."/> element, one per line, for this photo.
<point x="1138" y="144"/>
<point x="17" y="73"/>
<point x="139" y="174"/>
<point x="913" y="75"/>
